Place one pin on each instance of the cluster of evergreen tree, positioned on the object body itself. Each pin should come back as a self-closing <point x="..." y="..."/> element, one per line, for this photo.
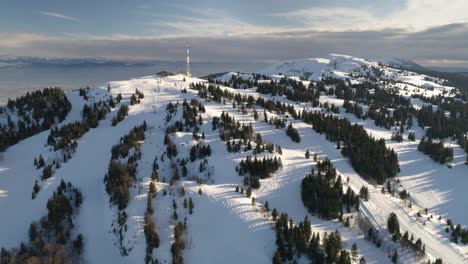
<point x="369" y="157"/>
<point x="50" y="237"/>
<point x="293" y="133"/>
<point x="199" y="151"/>
<point x="136" y="97"/>
<point x="275" y="121"/>
<point x="217" y="94"/>
<point x="393" y="227"/>
<point x="440" y="126"/>
<point x="236" y="145"/>
<point x="121" y="174"/>
<point x="260" y="146"/>
<point x="397" y="136"/>
<point x="322" y="193"/>
<point x="121" y="114"/>
<point x="149" y="228"/>
<point x="39" y="162"/>
<point x="329" y="108"/>
<point x="379" y="100"/>
<point x="415" y="245"/>
<point x="190" y="113"/>
<point x="84" y="92"/>
<point x="298" y="240"/>
<point x="382" y="117"/>
<point x="260" y="168"/>
<point x="129" y="141"/>
<point x="355" y="109"/>
<point x="292" y="89"/>
<point x="443" y="126"/>
<point x="171" y="149"/>
<point x="179" y="244"/>
<point x="436" y="150"/>
<point x="278" y="107"/>
<point x="238" y="82"/>
<point x="64" y="138"/>
<point x="47" y="172"/>
<point x="255" y="169"/>
<point x="36" y="189"/>
<point x="459" y="234"/>
<point x="36" y="111"/>
<point x="230" y="129"/>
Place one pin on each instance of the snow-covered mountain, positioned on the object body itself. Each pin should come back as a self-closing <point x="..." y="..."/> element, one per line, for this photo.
<point x="165" y="168"/>
<point x="315" y="68"/>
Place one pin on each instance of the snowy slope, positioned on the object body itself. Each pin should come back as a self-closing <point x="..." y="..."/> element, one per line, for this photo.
<point x="225" y="226"/>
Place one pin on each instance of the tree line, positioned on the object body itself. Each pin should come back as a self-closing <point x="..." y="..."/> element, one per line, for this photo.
<point x="36" y="112"/>
<point x="436" y="150"/>
<point x="121" y="174"/>
<point x="322" y="192"/>
<point x="369" y="157"/>
<point x="51" y="236"/>
<point x="255" y="169"/>
<point x="296" y="240"/>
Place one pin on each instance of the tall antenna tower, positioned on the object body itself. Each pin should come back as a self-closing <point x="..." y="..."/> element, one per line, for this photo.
<point x="188" y="74"/>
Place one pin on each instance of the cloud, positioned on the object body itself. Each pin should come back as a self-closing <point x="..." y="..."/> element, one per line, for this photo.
<point x="204" y="22"/>
<point x="445" y="43"/>
<point x="419" y="30"/>
<point x="444" y="63"/>
<point x="60" y="16"/>
<point x="330" y="19"/>
<point x="414" y="15"/>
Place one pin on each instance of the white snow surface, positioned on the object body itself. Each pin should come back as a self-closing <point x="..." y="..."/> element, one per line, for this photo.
<point x="225" y="227"/>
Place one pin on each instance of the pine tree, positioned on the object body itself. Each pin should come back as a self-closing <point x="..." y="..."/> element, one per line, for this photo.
<point x="364" y="193"/>
<point x="191" y="206"/>
<point x="354" y="251"/>
<point x="248" y="193"/>
<point x="78" y="244"/>
<point x="36" y="187"/>
<point x="149" y="205"/>
<point x="395" y="256"/>
<point x="274" y="214"/>
<point x="32" y="232"/>
<point x="393" y="224"/>
<point x="277" y="258"/>
<point x="152" y="188"/>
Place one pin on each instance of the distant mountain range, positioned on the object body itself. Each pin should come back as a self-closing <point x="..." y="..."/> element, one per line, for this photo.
<point x="6" y="61"/>
<point x="451" y="69"/>
<point x="409" y="64"/>
<point x="28" y="61"/>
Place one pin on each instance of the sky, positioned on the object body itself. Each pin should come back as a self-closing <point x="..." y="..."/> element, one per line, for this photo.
<point x="430" y="32"/>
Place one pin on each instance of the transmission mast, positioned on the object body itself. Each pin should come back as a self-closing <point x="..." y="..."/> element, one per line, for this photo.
<point x="188" y="74"/>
